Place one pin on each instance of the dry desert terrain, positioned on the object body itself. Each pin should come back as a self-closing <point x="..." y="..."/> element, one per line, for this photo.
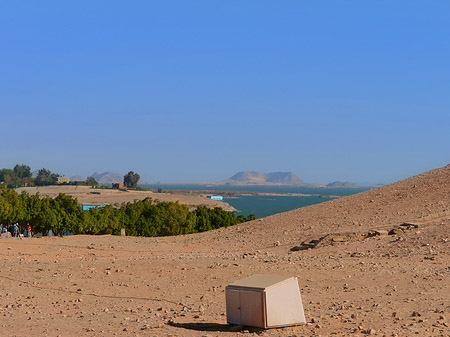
<point x="358" y="279"/>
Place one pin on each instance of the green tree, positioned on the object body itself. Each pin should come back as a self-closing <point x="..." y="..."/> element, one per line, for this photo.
<point x="47" y="218"/>
<point x="131" y="179"/>
<point x="91" y="181"/>
<point x="67" y="215"/>
<point x="22" y="171"/>
<point x="203" y="220"/>
<point x="251" y="217"/>
<point x="12" y="210"/>
<point x="45" y="177"/>
<point x="105" y="220"/>
<point x="6" y="175"/>
<point x="132" y="212"/>
<point x="5" y="210"/>
<point x="32" y="205"/>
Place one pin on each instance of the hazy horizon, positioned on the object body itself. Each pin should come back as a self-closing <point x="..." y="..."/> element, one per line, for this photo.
<point x="181" y="182"/>
<point x="198" y="91"/>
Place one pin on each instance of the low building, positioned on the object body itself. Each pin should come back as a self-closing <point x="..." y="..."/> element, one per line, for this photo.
<point x="87" y="207"/>
<point x="62" y="180"/>
<point x="118" y="186"/>
<point x="215" y="197"/>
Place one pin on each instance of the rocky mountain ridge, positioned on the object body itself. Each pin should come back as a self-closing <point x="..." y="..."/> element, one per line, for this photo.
<point x="272" y="178"/>
<point x="108" y="177"/>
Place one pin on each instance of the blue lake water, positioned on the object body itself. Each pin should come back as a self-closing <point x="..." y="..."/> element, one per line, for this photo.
<point x="263" y="206"/>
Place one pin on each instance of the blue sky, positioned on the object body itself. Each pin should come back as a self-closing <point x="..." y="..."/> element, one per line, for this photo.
<point x="199" y="90"/>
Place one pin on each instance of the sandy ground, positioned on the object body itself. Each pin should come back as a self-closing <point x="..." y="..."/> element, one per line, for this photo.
<point x="352" y="285"/>
<point x="88" y="195"/>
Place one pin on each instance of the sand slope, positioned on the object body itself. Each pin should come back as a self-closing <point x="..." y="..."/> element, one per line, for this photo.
<point x="352" y="285"/>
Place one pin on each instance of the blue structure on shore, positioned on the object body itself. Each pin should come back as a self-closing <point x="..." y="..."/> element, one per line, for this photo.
<point x="87" y="207"/>
<point x="215" y="197"/>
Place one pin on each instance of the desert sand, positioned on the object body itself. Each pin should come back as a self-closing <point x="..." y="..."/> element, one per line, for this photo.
<point x="359" y="280"/>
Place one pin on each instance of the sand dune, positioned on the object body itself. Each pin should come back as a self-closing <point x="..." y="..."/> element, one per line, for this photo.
<point x="352" y="284"/>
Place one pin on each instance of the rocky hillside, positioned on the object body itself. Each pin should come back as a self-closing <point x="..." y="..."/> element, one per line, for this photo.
<point x="412" y="199"/>
<point x="342" y="184"/>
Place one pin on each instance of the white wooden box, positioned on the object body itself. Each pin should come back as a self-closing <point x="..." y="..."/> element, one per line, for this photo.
<point x="265" y="301"/>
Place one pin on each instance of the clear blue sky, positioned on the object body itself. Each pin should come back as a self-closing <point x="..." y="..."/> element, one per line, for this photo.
<point x="199" y="90"/>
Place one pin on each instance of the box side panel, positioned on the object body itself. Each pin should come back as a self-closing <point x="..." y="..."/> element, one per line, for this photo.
<point x="284" y="305"/>
<point x="252" y="309"/>
<point x="233" y="306"/>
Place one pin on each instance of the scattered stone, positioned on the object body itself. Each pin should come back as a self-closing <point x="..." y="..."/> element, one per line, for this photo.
<point x="370" y="332"/>
<point x="395" y="231"/>
<point x="409" y="225"/>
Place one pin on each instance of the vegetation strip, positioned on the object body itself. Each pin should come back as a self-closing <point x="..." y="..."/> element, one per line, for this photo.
<point x="63" y="215"/>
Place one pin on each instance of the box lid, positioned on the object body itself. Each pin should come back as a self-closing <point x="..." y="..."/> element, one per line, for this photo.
<point x="259" y="281"/>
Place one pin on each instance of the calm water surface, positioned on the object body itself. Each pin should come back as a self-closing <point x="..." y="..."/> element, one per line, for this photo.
<point x="263" y="206"/>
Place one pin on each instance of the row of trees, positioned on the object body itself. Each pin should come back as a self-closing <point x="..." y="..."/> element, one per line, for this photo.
<point x="63" y="215"/>
<point x="21" y="175"/>
<point x="18" y="176"/>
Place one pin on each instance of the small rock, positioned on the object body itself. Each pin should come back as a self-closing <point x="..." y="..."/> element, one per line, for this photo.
<point x="395" y="231"/>
<point x="368" y="331"/>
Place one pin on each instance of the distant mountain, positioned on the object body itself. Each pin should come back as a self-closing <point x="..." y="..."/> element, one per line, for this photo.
<point x="287" y="178"/>
<point x="77" y="178"/>
<point x="248" y="177"/>
<point x="108" y="177"/>
<point x="344" y="184"/>
<point x="257" y="178"/>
